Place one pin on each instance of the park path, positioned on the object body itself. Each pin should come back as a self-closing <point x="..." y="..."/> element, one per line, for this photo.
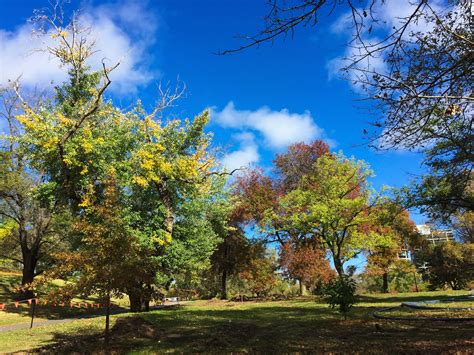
<point x="39" y="323"/>
<point x="47" y="322"/>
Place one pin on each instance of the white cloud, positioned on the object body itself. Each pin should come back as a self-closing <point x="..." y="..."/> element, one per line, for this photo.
<point x="279" y="128"/>
<point x="122" y="31"/>
<point x="245" y="156"/>
<point x="373" y="63"/>
<point x="393" y="13"/>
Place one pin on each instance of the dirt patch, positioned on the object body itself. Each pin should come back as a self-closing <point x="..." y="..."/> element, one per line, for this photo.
<point x="135" y="327"/>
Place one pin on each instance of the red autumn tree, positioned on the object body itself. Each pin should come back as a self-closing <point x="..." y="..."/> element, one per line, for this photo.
<point x="256" y="195"/>
<point x="305" y="263"/>
<point x="259" y="271"/>
<point x="253" y="193"/>
<point x="298" y="161"/>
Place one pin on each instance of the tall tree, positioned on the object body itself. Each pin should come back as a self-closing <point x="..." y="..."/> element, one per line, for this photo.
<point x="160" y="166"/>
<point x="258" y="274"/>
<point x="449" y="264"/>
<point x="394" y="222"/>
<point x="202" y="224"/>
<point x="258" y="195"/>
<point x="316" y="198"/>
<point x="331" y="205"/>
<point x="230" y="257"/>
<point x="464" y="226"/>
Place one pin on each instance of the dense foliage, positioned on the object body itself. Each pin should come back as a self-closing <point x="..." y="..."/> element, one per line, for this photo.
<point x="448" y="264"/>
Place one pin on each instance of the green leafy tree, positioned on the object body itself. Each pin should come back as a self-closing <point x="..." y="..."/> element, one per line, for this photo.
<point x="395" y="223"/>
<point x="161" y="167"/>
<point x="31" y="222"/>
<point x="332" y="205"/>
<point x="449" y="264"/>
<point x="198" y="234"/>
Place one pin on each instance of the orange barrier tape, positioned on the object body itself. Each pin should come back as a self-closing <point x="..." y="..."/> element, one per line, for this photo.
<point x="44" y="302"/>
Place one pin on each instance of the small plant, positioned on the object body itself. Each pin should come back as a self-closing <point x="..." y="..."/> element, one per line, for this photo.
<point x="340" y="294"/>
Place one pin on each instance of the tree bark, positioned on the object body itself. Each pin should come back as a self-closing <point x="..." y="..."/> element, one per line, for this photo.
<point x="301" y="287"/>
<point x="338" y="266"/>
<point x="135" y="301"/>
<point x="385" y="282"/>
<point x="139" y="298"/>
<point x="30" y="262"/>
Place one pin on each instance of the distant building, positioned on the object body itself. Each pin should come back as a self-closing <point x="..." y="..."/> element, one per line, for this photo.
<point x="435" y="236"/>
<point x="404" y="254"/>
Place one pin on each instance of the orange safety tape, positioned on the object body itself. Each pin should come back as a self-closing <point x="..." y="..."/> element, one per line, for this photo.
<point x="54" y="304"/>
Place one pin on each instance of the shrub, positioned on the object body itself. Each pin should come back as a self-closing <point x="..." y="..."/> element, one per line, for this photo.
<point x="340" y="294"/>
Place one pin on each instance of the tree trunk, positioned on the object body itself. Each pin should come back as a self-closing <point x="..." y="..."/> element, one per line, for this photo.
<point x="385" y="282"/>
<point x="139" y="298"/>
<point x="338" y="266"/>
<point x="224" y="285"/>
<point x="135" y="300"/>
<point x="28" y="273"/>
<point x="301" y="287"/>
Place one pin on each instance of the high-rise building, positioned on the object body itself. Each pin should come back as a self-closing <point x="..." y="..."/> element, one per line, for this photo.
<point x="435" y="236"/>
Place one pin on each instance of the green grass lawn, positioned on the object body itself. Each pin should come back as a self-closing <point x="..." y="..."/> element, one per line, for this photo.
<point x="298" y="325"/>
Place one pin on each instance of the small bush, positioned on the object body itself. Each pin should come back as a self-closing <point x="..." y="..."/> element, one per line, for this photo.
<point x="340" y="294"/>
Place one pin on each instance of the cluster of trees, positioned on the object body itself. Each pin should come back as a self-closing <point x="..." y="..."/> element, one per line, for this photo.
<point x="319" y="210"/>
<point x="126" y="202"/>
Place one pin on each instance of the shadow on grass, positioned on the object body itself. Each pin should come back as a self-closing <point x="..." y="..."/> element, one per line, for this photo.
<point x="273" y="329"/>
<point x="126" y="333"/>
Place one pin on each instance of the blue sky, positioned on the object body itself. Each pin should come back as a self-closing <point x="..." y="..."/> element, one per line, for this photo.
<point x="262" y="99"/>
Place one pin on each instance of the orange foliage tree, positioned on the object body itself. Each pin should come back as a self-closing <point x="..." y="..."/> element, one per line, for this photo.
<point x="306" y="263"/>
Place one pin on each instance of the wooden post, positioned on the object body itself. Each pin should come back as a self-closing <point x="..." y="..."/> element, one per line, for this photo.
<point x="107" y="319"/>
<point x="33" y="308"/>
